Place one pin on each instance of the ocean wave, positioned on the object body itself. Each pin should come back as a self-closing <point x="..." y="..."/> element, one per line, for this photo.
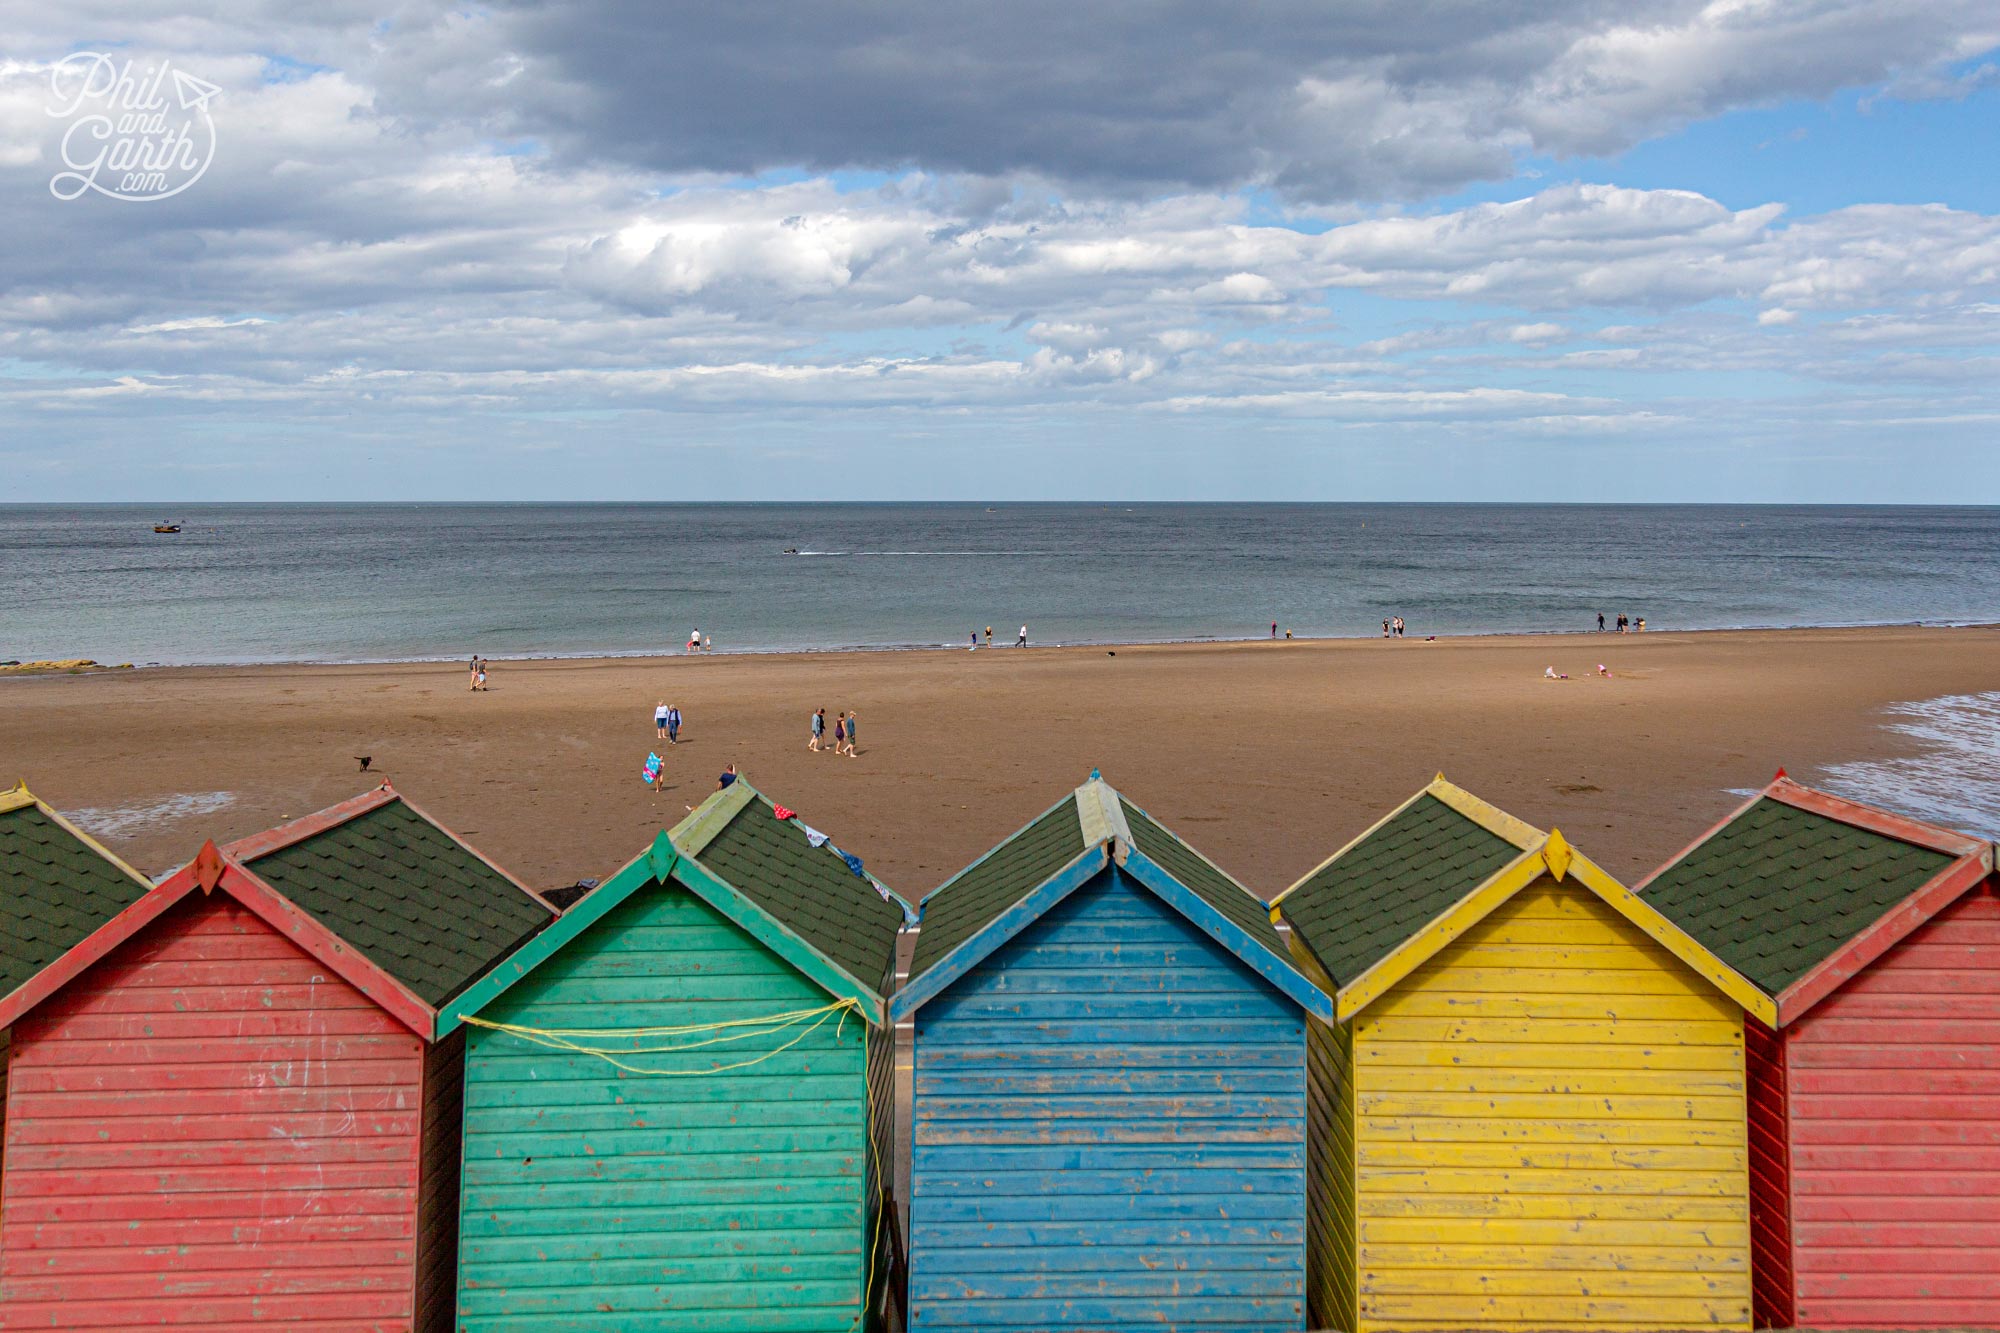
<point x="111" y="820"/>
<point x="1947" y="780"/>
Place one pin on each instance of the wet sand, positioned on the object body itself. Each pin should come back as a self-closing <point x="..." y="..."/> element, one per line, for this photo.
<point x="1267" y="756"/>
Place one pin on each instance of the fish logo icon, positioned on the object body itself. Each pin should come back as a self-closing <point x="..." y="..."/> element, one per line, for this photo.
<point x="135" y="134"/>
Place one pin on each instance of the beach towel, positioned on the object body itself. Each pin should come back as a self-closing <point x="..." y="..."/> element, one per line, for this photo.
<point x="853" y="863"/>
<point x="782" y="813"/>
<point x="651" y="774"/>
<point x="813" y="835"/>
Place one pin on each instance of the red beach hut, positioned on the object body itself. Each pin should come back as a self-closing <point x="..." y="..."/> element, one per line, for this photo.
<point x="1875" y="1102"/>
<point x="225" y="1105"/>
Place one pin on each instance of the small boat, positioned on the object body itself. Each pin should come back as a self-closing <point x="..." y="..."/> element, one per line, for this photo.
<point x="166" y="527"/>
<point x="791" y="550"/>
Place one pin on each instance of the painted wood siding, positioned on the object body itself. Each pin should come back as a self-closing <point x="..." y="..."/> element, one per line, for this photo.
<point x="1770" y="1177"/>
<point x="1895" y="1130"/>
<point x="207" y="1129"/>
<point x="598" y="1199"/>
<point x="1550" y="1132"/>
<point x="882" y="1154"/>
<point x="1330" y="1247"/>
<point x="437" y="1194"/>
<point x="1109" y="1131"/>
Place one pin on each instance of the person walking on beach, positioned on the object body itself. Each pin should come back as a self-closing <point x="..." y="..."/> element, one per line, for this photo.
<point x="479" y="676"/>
<point x="852" y="724"/>
<point x="660" y="720"/>
<point x="818" y="730"/>
<point x="1399" y="627"/>
<point x="1274" y="629"/>
<point x="1022" y="642"/>
<point x="1600" y="622"/>
<point x="840" y="733"/>
<point x="472" y="673"/>
<point x="1623" y="622"/>
<point x="674" y="725"/>
<point x="694" y="641"/>
<point x="1385" y="629"/>
<point x="989" y="636"/>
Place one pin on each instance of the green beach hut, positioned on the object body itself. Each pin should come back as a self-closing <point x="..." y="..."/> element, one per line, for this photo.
<point x="679" y="1098"/>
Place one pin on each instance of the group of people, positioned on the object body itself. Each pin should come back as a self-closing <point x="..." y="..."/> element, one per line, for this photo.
<point x="1626" y="625"/>
<point x="1020" y="642"/>
<point x="698" y="643"/>
<point x="667" y="722"/>
<point x="478" y="672"/>
<point x="1392" y="628"/>
<point x="843" y="734"/>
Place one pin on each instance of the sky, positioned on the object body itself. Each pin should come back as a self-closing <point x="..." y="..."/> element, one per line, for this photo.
<point x="1556" y="250"/>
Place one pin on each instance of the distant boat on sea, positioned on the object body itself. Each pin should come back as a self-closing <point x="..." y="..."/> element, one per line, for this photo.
<point x="166" y="527"/>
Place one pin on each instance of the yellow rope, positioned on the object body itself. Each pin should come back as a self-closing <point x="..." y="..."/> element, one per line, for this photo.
<point x="767" y="1020"/>
<point x="560" y="1038"/>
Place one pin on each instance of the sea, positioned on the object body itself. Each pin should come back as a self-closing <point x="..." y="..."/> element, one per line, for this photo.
<point x="272" y="583"/>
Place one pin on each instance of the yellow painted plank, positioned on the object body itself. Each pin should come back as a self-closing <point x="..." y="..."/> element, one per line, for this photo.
<point x="1559" y="1313"/>
<point x="1530" y="1106"/>
<point x="1604" y="1279"/>
<point x="1554" y="947"/>
<point x="1382" y="1054"/>
<point x="1481" y="1129"/>
<point x="1428" y="1003"/>
<point x="1561" y="1156"/>
<point x="1472" y="977"/>
<point x="1611" y="1207"/>
<point x="1583" y="1186"/>
<point x="1722" y="1235"/>
<point x="1611" y="1078"/>
<point x="1551" y="1032"/>
<point x="1561" y="1258"/>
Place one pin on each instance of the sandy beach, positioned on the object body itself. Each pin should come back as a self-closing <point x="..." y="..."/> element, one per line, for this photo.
<point x="1267" y="756"/>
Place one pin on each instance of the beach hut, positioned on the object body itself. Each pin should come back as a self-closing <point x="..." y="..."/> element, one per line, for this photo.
<point x="1875" y="1102"/>
<point x="1529" y="1112"/>
<point x="225" y="1106"/>
<point x="1109" y="1087"/>
<point x="680" y="1098"/>
<point x="57" y="886"/>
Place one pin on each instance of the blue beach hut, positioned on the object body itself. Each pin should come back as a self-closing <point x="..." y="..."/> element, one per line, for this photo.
<point x="1109" y="1088"/>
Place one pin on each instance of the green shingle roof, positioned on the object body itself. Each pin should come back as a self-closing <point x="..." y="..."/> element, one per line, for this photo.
<point x="55" y="889"/>
<point x="955" y="911"/>
<point x="809" y="889"/>
<point x="1200" y="874"/>
<point x="1778" y="890"/>
<point x="1364" y="904"/>
<point x="411" y="898"/>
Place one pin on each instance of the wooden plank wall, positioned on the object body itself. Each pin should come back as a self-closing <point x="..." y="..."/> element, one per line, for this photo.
<point x="1330" y="1247"/>
<point x="437" y="1192"/>
<point x="1770" y="1178"/>
<point x="1109" y="1130"/>
<point x="1551" y="1132"/>
<point x="600" y="1199"/>
<point x="207" y="1129"/>
<point x="881" y="1094"/>
<point x="1895" y="1122"/>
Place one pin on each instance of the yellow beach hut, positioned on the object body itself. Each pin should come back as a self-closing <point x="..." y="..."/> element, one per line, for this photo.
<point x="1529" y="1110"/>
